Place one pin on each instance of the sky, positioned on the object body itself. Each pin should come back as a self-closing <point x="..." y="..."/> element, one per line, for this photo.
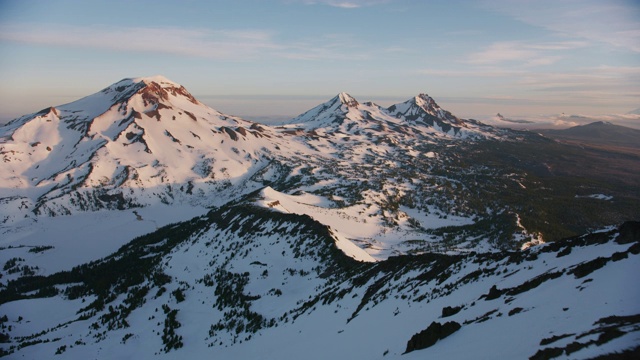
<point x="265" y="59"/>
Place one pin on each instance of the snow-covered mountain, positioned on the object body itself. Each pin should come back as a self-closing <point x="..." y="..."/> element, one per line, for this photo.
<point x="414" y="169"/>
<point x="137" y="142"/>
<point x="157" y="226"/>
<point x="147" y="141"/>
<point x="420" y="117"/>
<point x="634" y="112"/>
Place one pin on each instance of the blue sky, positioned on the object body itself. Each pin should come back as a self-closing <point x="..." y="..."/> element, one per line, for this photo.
<point x="281" y="57"/>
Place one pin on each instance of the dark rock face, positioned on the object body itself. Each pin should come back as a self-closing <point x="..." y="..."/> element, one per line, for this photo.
<point x="431" y="335"/>
<point x="494" y="293"/>
<point x="450" y="311"/>
<point x="629" y="232"/>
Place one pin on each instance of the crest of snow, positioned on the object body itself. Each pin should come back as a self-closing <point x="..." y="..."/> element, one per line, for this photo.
<point x="158" y="79"/>
<point x="290" y="204"/>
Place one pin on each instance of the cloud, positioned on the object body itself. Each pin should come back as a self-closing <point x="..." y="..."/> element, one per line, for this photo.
<point x="601" y="84"/>
<point x="616" y="71"/>
<point x="351" y="4"/>
<point x="481" y="71"/>
<point x="221" y="44"/>
<point x="562" y="121"/>
<point x="501" y="52"/>
<point x="344" y="5"/>
<point x="522" y="53"/>
<point x="613" y="22"/>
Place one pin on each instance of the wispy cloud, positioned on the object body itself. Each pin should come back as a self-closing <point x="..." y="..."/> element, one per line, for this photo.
<point x="617" y="71"/>
<point x="344" y="4"/>
<point x="613" y="22"/>
<point x="481" y="71"/>
<point x="595" y="88"/>
<point x="350" y="4"/>
<point x="618" y="80"/>
<point x="601" y="86"/>
<point x="522" y="53"/>
<point x="222" y="44"/>
<point x="562" y="121"/>
<point x="501" y="52"/>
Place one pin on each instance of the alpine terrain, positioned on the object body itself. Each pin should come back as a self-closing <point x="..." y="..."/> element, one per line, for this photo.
<point x="138" y="222"/>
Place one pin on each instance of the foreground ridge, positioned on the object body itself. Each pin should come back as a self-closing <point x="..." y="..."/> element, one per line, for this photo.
<point x="221" y="278"/>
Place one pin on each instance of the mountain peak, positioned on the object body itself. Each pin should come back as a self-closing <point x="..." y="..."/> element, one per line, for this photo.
<point x="600" y="123"/>
<point x="347" y="99"/>
<point x="159" y="87"/>
<point x="424" y="96"/>
<point x="634" y="112"/>
<point x="429" y="105"/>
<point x="158" y="79"/>
<point x="423" y="107"/>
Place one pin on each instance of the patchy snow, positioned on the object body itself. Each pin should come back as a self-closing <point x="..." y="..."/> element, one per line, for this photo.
<point x="597" y="197"/>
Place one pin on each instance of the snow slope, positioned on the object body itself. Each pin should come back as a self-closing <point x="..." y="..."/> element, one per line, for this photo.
<point x="254" y="282"/>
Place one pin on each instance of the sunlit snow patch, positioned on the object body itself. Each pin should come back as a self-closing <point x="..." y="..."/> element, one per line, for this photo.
<point x="597" y="196"/>
<point x="308" y="204"/>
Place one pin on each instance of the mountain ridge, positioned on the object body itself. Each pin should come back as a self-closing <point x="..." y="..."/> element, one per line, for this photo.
<point x="138" y="222"/>
<point x="599" y="132"/>
<point x="146" y="141"/>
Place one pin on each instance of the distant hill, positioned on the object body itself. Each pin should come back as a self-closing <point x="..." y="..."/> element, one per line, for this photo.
<point x="600" y="133"/>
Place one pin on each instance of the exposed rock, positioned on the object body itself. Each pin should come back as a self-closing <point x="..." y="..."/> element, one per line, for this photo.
<point x="431" y="335"/>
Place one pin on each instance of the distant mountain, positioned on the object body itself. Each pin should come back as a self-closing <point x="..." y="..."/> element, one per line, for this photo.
<point x="599" y="132"/>
<point x="635" y="112"/>
<point x="345" y="114"/>
<point x="517" y="121"/>
<point x="138" y="222"/>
